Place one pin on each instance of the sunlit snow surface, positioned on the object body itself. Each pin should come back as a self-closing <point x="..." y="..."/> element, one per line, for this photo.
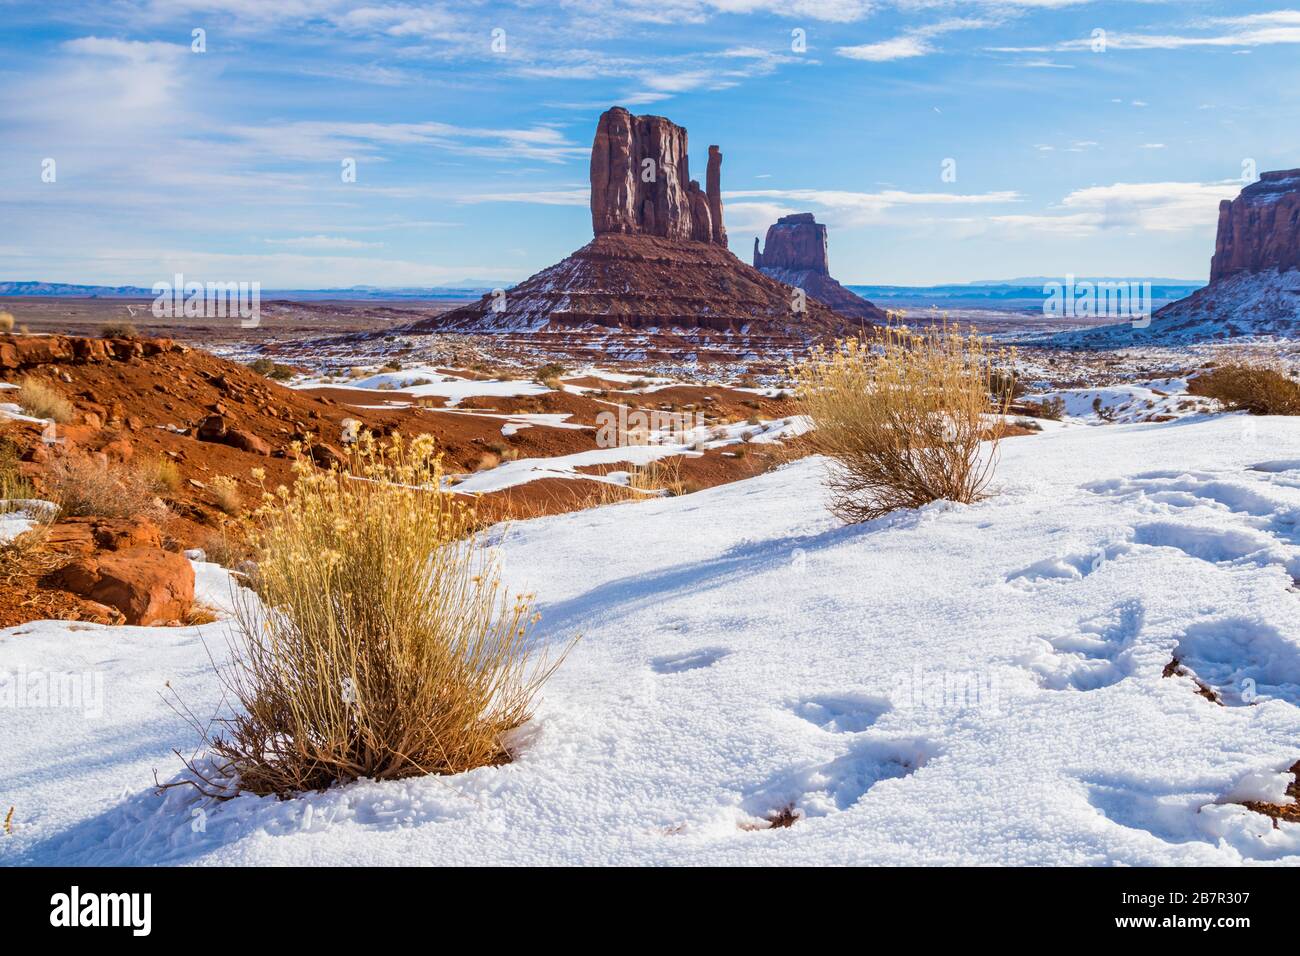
<point x="975" y="684"/>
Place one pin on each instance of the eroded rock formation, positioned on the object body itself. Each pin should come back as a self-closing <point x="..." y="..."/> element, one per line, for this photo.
<point x="641" y="182"/>
<point x="1259" y="231"/>
<point x="797" y="243"/>
<point x="795" y="253"/>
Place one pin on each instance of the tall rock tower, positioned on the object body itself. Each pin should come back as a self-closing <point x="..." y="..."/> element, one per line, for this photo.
<point x="641" y="182"/>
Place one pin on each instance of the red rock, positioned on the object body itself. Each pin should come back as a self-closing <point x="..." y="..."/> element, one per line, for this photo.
<point x="26" y="351"/>
<point x="796" y="254"/>
<point x="86" y="535"/>
<point x="148" y="585"/>
<point x="713" y="188"/>
<point x="641" y="182"/>
<point x="659" y="261"/>
<point x="1260" y="230"/>
<point x="119" y="450"/>
<point x="246" y="441"/>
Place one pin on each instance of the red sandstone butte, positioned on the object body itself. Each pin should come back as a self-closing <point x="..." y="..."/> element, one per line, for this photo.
<point x="1259" y="231"/>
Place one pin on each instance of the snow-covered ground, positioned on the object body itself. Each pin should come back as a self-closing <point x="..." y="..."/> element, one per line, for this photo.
<point x="1129" y="402"/>
<point x="975" y="684"/>
<point x="425" y="382"/>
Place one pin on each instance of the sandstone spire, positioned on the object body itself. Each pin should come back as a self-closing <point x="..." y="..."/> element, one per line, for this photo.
<point x="713" y="185"/>
<point x="641" y="183"/>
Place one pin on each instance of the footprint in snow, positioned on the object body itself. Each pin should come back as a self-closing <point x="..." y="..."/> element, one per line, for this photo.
<point x="1097" y="654"/>
<point x="820" y="789"/>
<point x="845" y="714"/>
<point x="692" y="660"/>
<point x="1243" y="660"/>
<point x="1070" y="567"/>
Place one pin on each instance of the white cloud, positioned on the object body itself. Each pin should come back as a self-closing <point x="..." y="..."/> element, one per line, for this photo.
<point x="846" y="209"/>
<point x="323" y="242"/>
<point x="912" y="43"/>
<point x="543" y="197"/>
<point x="1145" y="207"/>
<point x="1251" y="30"/>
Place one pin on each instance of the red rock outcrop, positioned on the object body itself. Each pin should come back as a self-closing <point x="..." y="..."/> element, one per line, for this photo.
<point x="148" y="585"/>
<point x="796" y="253"/>
<point x="1259" y="231"/>
<point x="26" y="351"/>
<point x="713" y="188"/>
<point x="659" y="265"/>
<point x="797" y="243"/>
<point x="641" y="182"/>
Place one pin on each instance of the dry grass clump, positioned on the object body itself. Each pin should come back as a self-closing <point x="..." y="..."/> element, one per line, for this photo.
<point x="6" y="322"/>
<point x="118" y="330"/>
<point x="83" y="486"/>
<point x="228" y="545"/>
<point x="163" y="474"/>
<point x="904" y="417"/>
<point x="13" y="484"/>
<point x="384" y="645"/>
<point x="1249" y="386"/>
<point x="41" y="401"/>
<point x="227" y="494"/>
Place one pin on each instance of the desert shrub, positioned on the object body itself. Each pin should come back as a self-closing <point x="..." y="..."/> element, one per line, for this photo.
<point x="1249" y="386"/>
<point x="13" y="485"/>
<point x="1003" y="382"/>
<point x="392" y="365"/>
<point x="1051" y="408"/>
<point x="227" y="545"/>
<point x="41" y="401"/>
<point x="6" y="322"/>
<point x="271" y="369"/>
<point x="549" y="374"/>
<point x="82" y="486"/>
<point x="906" y="418"/>
<point x="118" y="330"/>
<point x="225" y="490"/>
<point x="163" y="474"/>
<point x="385" y="645"/>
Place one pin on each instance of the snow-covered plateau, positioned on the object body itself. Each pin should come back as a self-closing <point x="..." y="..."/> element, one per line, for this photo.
<point x="954" y="685"/>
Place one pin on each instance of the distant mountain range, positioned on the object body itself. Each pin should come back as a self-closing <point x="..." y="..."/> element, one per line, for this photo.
<point x="468" y="289"/>
<point x="1026" y="292"/>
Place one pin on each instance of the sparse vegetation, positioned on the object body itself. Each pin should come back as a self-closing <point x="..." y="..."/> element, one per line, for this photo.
<point x="274" y="370"/>
<point x="81" y="486"/>
<point x="13" y="485"/>
<point x="163" y="474"/>
<point x="906" y="417"/>
<point x="118" y="330"/>
<point x="385" y="645"/>
<point x="6" y="322"/>
<point x="1252" y="387"/>
<point x="549" y="375"/>
<point x="41" y="401"/>
<point x="227" y="494"/>
<point x="1050" y="408"/>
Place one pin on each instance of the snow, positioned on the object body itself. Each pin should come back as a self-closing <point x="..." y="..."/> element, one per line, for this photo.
<point x="22" y="514"/>
<point x="1130" y="402"/>
<point x="14" y="412"/>
<point x="953" y="685"/>
<point x="434" y="384"/>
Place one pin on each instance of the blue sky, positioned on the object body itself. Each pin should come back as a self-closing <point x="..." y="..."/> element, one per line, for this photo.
<point x="472" y="161"/>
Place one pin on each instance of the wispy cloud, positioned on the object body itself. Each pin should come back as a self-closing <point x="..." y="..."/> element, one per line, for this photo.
<point x="1252" y="30"/>
<point x="1143" y="207"/>
<point x="915" y="42"/>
